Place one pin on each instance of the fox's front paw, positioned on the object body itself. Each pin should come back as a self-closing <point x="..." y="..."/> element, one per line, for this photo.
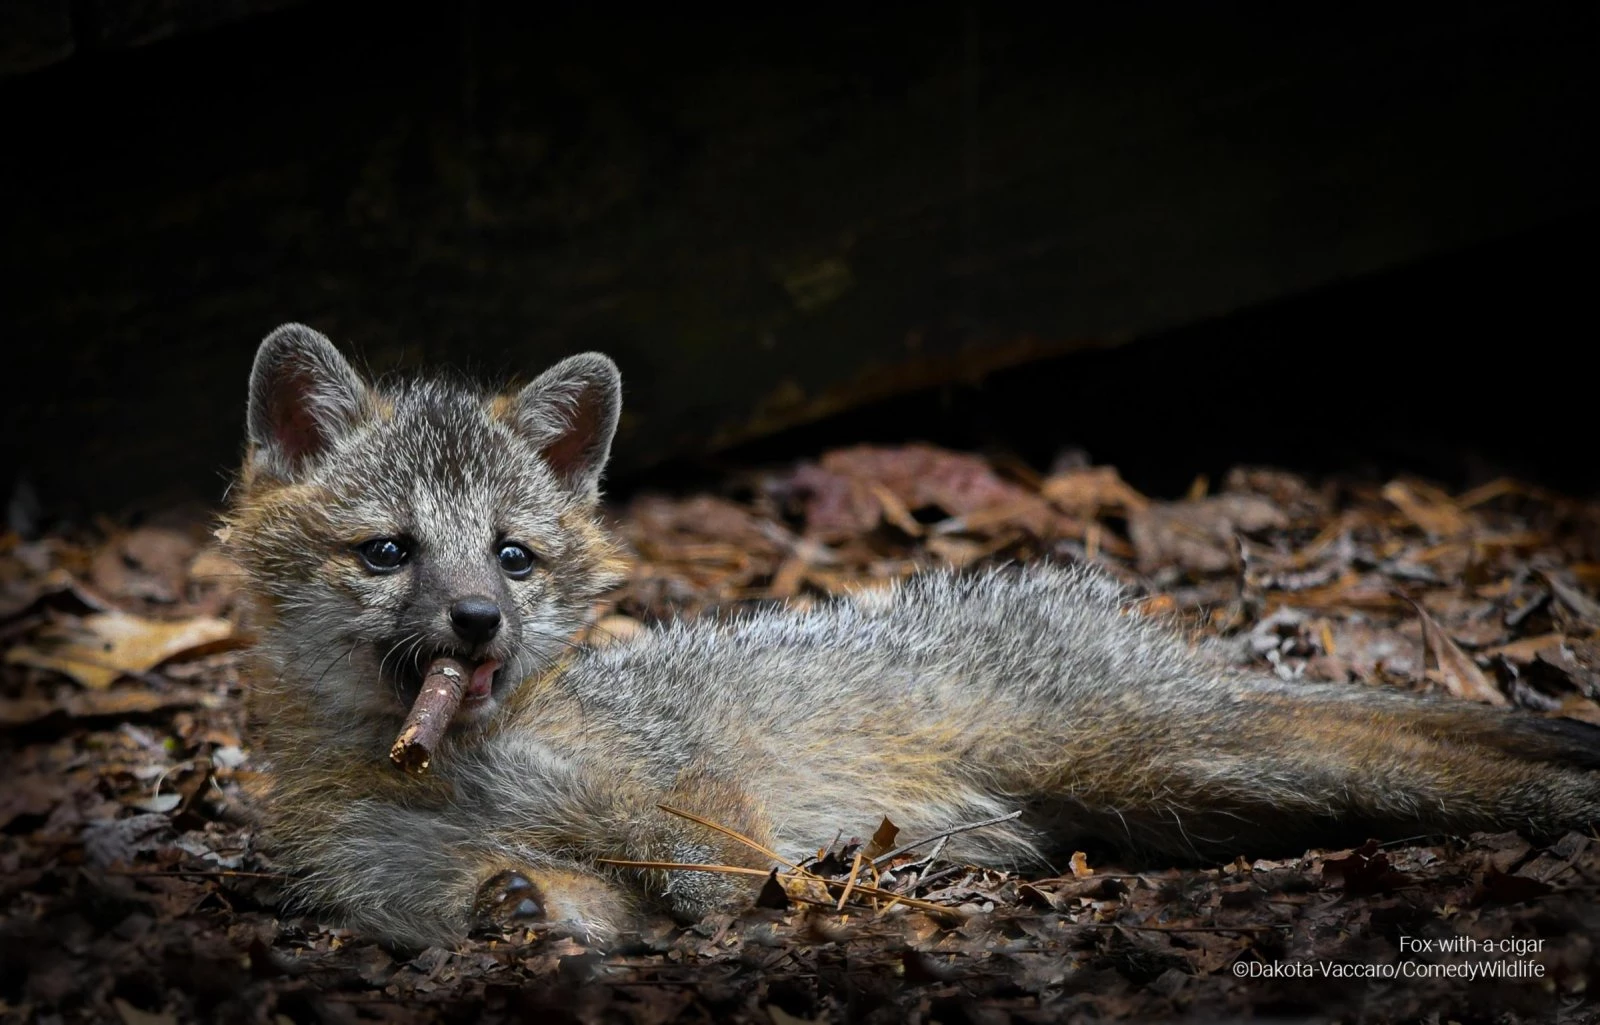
<point x="555" y="901"/>
<point x="507" y="900"/>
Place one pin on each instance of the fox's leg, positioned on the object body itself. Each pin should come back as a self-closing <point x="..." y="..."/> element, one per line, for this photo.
<point x="631" y="825"/>
<point x="418" y="878"/>
<point x="587" y="812"/>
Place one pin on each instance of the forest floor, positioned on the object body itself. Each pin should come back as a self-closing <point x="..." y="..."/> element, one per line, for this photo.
<point x="131" y="889"/>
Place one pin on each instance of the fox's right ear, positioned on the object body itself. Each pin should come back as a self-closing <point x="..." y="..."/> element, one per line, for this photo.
<point x="304" y="396"/>
<point x="570" y="414"/>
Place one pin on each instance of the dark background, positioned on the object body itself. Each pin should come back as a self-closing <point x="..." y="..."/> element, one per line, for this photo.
<point x="1176" y="236"/>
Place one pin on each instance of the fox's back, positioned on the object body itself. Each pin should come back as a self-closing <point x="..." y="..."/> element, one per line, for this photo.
<point x="954" y="697"/>
<point x="897" y="702"/>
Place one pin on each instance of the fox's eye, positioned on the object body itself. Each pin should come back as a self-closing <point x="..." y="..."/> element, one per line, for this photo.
<point x="516" y="560"/>
<point x="383" y="554"/>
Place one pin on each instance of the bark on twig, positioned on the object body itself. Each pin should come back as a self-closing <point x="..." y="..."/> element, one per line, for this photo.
<point x="443" y="687"/>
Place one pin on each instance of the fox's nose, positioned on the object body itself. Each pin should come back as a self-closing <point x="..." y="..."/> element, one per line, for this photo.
<point x="475" y="619"/>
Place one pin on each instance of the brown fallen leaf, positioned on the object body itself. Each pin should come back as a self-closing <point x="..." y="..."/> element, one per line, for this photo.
<point x="1525" y="650"/>
<point x="664" y="521"/>
<point x="31" y="795"/>
<point x="147" y="562"/>
<point x="131" y="1015"/>
<point x="1581" y="605"/>
<point x="1080" y="865"/>
<point x="843" y="495"/>
<point x="1364" y="870"/>
<point x="894" y="510"/>
<point x="1575" y="707"/>
<point x="57" y="589"/>
<point x="1288" y="491"/>
<point x="960" y="551"/>
<point x="882" y="840"/>
<point x="98" y="648"/>
<point x="1092" y="492"/>
<point x="1430" y="509"/>
<point x="772" y="894"/>
<point x="789" y="578"/>
<point x="1199" y="535"/>
<point x="1500" y="888"/>
<point x="1457" y="672"/>
<point x="96" y="703"/>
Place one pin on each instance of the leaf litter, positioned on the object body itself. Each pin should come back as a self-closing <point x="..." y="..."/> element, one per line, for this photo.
<point x="134" y="889"/>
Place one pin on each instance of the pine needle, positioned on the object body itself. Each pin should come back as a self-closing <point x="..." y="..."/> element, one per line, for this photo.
<point x="732" y="835"/>
<point x="676" y="866"/>
<point x="850" y="881"/>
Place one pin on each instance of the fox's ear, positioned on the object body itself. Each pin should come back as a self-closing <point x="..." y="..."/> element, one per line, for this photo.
<point x="304" y="396"/>
<point x="570" y="412"/>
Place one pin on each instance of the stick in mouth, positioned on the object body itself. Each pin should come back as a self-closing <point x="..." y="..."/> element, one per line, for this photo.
<point x="443" y="686"/>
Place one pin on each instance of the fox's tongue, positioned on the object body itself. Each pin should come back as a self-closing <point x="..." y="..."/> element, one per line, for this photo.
<point x="482" y="681"/>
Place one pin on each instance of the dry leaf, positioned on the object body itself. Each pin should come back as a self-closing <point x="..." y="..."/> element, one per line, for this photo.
<point x="772" y="895"/>
<point x="882" y="841"/>
<point x="1575" y="707"/>
<point x="57" y="588"/>
<point x="1525" y="650"/>
<point x="131" y="1015"/>
<point x="91" y="704"/>
<point x="781" y="1017"/>
<point x="894" y="510"/>
<point x="1459" y="674"/>
<point x="844" y="494"/>
<point x="147" y="562"/>
<point x="98" y="648"/>
<point x="1584" y="607"/>
<point x="1092" y="491"/>
<point x="1199" y="535"/>
<point x="1428" y="508"/>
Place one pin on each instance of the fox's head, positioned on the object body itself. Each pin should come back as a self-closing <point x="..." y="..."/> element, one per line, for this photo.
<point x="383" y="526"/>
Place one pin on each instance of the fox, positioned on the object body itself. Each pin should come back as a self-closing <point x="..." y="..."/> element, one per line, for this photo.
<point x="382" y="525"/>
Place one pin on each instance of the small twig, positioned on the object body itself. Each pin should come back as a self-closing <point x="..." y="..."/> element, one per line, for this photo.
<point x="932" y="855"/>
<point x="850" y="880"/>
<point x="910" y="902"/>
<point x="943" y="873"/>
<point x="676" y="866"/>
<point x="952" y="831"/>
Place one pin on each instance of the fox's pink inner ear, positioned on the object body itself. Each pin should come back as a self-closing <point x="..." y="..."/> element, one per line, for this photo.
<point x="294" y="432"/>
<point x="304" y="396"/>
<point x="572" y="453"/>
<point x="570" y="414"/>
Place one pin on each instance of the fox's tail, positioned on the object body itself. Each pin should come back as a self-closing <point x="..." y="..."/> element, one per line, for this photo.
<point x="1281" y="767"/>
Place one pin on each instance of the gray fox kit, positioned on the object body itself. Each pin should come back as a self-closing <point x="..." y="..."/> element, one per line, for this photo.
<point x="382" y="527"/>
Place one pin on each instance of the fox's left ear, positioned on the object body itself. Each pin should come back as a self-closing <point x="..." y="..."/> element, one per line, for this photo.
<point x="304" y="397"/>
<point x="570" y="413"/>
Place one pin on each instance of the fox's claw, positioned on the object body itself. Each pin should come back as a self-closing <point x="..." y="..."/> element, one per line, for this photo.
<point x="507" y="899"/>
